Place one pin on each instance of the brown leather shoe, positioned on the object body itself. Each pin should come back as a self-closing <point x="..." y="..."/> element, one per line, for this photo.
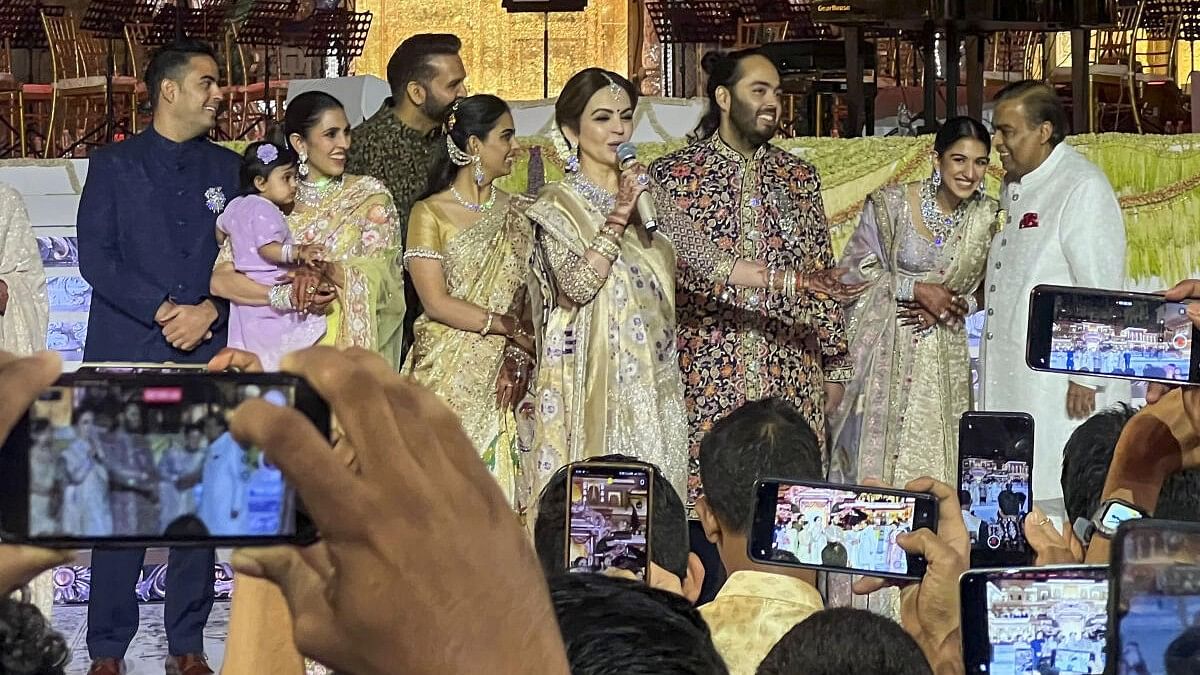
<point x="188" y="664"/>
<point x="107" y="667"/>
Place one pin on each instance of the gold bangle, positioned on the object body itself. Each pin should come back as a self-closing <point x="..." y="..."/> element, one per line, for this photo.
<point x="610" y="229"/>
<point x="487" y="325"/>
<point x="606" y="247"/>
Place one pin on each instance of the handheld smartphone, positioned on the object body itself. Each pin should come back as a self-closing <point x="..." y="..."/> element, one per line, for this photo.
<point x="839" y="528"/>
<point x="146" y="459"/>
<point x="995" y="457"/>
<point x="1155" y="600"/>
<point x="1035" y="620"/>
<point x="608" y="517"/>
<point x="107" y="367"/>
<point x="1135" y="336"/>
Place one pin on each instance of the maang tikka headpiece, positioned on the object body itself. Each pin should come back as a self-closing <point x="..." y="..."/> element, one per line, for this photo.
<point x="614" y="89"/>
<point x="457" y="155"/>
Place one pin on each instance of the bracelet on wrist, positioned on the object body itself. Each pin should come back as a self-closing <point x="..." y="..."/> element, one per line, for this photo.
<point x="487" y="324"/>
<point x="801" y="282"/>
<point x="972" y="305"/>
<point x="279" y="297"/>
<point x="289" y="253"/>
<point x="606" y="247"/>
<point x="906" y="289"/>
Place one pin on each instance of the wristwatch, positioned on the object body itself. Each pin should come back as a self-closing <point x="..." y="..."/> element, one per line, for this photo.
<point x="1104" y="522"/>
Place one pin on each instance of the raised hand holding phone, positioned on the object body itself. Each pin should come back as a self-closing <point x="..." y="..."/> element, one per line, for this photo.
<point x="21" y="380"/>
<point x="929" y="608"/>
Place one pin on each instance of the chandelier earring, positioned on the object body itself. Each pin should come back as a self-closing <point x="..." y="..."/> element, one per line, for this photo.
<point x="479" y="177"/>
<point x="937" y="178"/>
<point x="302" y="168"/>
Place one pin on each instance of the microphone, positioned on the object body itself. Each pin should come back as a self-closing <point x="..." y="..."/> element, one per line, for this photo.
<point x="626" y="156"/>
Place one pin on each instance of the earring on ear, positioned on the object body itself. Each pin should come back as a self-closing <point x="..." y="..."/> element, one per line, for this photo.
<point x="302" y="168"/>
<point x="478" y="170"/>
<point x="937" y="178"/>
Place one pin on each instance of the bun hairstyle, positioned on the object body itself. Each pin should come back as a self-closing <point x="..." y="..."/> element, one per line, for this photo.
<point x="260" y="159"/>
<point x="722" y="69"/>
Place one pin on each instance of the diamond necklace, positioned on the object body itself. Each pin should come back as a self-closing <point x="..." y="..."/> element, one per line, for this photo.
<point x="598" y="197"/>
<point x="472" y="206"/>
<point x="313" y="194"/>
<point x="939" y="224"/>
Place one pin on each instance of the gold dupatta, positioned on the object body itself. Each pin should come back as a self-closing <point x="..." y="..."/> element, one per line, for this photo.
<point x="485" y="264"/>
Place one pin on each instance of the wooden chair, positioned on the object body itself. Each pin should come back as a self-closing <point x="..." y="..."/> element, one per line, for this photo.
<point x="137" y="58"/>
<point x="1155" y="94"/>
<point x="252" y="108"/>
<point x="12" y="120"/>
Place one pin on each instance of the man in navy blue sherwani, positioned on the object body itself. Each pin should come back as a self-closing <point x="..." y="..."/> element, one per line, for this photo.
<point x="147" y="245"/>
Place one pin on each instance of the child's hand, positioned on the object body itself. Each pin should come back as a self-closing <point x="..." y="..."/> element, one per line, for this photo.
<point x="310" y="254"/>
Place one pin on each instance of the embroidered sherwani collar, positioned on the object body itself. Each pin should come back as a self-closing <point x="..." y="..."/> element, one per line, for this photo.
<point x="724" y="150"/>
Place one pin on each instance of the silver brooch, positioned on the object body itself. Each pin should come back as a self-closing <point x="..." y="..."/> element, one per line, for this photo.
<point x="214" y="199"/>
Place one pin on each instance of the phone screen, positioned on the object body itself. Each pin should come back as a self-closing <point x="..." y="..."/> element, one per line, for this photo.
<point x="608" y="518"/>
<point x="838" y="527"/>
<point x="1158" y="599"/>
<point x="995" y="458"/>
<point x="1035" y="620"/>
<point x="148" y="458"/>
<point x="1129" y="335"/>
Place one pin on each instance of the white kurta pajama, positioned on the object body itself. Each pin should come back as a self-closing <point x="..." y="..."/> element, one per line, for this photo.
<point x="1078" y="240"/>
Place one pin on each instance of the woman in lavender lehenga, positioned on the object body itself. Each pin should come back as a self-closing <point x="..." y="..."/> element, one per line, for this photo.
<point x="922" y="247"/>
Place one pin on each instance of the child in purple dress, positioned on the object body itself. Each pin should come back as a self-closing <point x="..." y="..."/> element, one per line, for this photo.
<point x="263" y="249"/>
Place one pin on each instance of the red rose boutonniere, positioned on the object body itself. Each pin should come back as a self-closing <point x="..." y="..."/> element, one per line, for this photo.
<point x="1029" y="220"/>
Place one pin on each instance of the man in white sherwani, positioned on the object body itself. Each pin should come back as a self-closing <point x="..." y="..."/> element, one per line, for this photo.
<point x="1063" y="227"/>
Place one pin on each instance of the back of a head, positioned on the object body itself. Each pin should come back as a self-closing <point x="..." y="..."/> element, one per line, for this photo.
<point x="28" y="645"/>
<point x="1182" y="656"/>
<point x="845" y="641"/>
<point x="1041" y="104"/>
<point x="616" y="626"/>
<point x="1086" y="457"/>
<point x="411" y="62"/>
<point x="762" y="439"/>
<point x="171" y="63"/>
<point x="669" y="546"/>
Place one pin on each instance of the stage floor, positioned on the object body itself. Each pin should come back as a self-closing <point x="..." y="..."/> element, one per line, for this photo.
<point x="149" y="648"/>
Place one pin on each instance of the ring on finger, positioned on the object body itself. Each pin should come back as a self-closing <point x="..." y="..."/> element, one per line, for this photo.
<point x="643" y="179"/>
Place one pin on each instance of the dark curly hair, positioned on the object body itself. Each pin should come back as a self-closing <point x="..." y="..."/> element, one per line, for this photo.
<point x="28" y="645"/>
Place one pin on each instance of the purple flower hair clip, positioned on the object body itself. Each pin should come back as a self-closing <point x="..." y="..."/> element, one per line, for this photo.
<point x="267" y="153"/>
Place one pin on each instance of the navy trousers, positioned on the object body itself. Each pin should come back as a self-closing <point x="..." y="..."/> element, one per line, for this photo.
<point x="113" y="608"/>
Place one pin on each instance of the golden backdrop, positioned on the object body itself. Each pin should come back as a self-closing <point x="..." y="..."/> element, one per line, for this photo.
<point x="502" y="51"/>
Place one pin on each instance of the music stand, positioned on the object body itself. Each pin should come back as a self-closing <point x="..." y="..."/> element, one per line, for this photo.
<point x="173" y="23"/>
<point x="337" y="33"/>
<point x="262" y="28"/>
<point x="106" y="19"/>
<point x="692" y="21"/>
<point x="544" y="7"/>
